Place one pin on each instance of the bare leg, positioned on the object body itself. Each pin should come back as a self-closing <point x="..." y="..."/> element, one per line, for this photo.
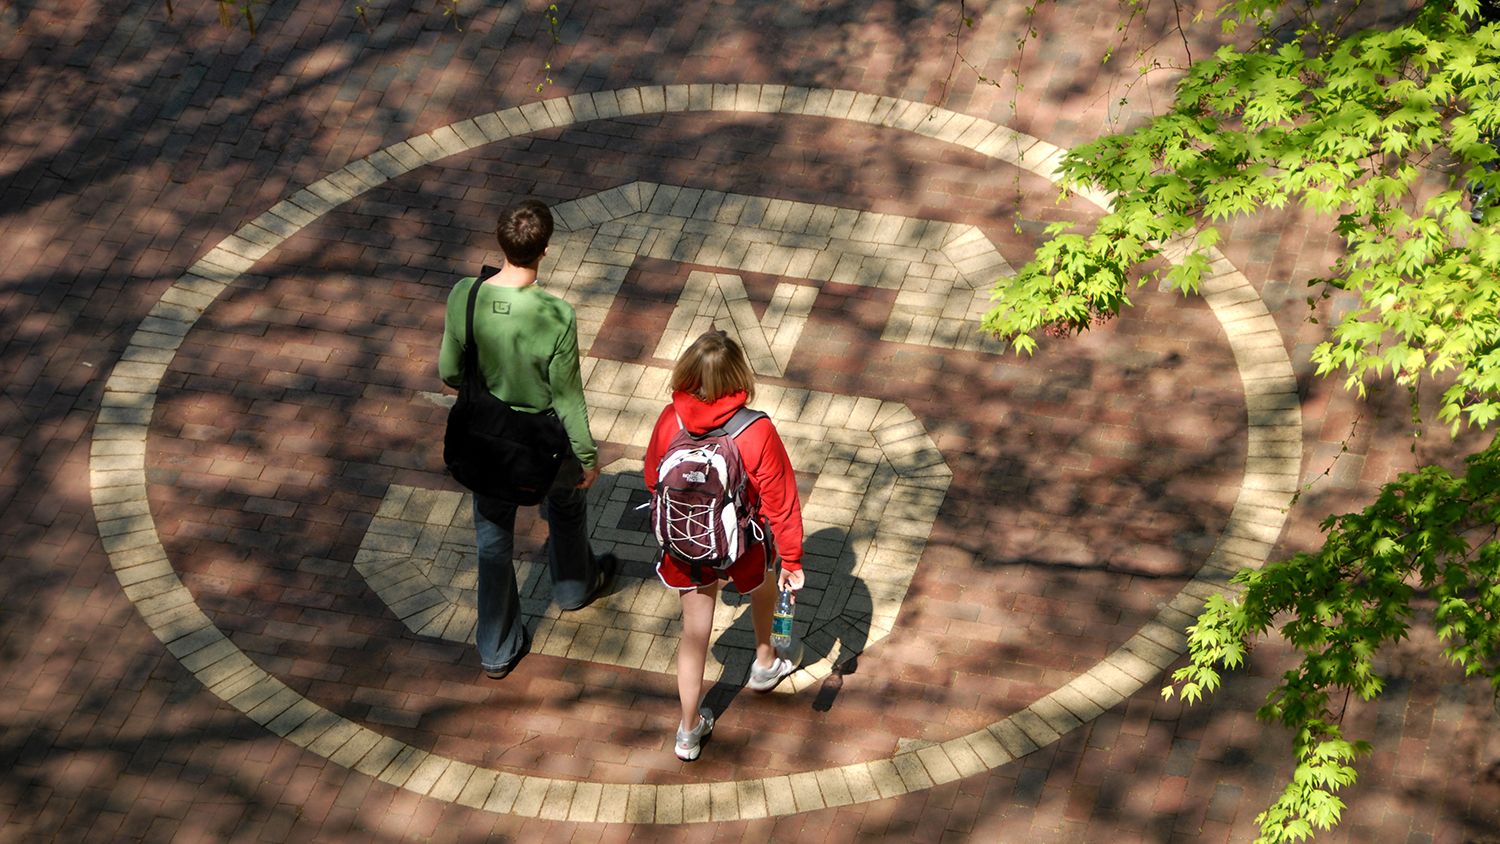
<point x="762" y="607"/>
<point x="692" y="649"/>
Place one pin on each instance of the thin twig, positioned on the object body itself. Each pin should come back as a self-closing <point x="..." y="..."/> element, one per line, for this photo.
<point x="1186" y="47"/>
<point x="963" y="20"/>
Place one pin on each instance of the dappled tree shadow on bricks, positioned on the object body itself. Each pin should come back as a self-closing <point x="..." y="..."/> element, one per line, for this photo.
<point x="1044" y="533"/>
<point x="152" y="751"/>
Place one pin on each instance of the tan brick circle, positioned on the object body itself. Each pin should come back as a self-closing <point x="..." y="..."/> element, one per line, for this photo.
<point x="117" y="480"/>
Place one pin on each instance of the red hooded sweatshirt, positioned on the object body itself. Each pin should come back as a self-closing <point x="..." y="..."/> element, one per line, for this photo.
<point x="773" y="484"/>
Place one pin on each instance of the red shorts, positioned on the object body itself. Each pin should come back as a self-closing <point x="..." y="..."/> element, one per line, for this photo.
<point x="747" y="573"/>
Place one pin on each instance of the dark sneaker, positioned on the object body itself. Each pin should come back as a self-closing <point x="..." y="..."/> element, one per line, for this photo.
<point x="604" y="578"/>
<point x="690" y="742"/>
<point x="503" y="671"/>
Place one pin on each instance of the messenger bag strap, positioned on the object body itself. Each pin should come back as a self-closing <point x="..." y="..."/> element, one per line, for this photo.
<point x="471" y="344"/>
<point x="471" y="348"/>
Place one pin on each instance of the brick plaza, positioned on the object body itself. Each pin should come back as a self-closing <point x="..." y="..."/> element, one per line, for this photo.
<point x="239" y="584"/>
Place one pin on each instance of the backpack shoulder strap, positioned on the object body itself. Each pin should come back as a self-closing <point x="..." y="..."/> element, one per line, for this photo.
<point x="742" y="419"/>
<point x="732" y="427"/>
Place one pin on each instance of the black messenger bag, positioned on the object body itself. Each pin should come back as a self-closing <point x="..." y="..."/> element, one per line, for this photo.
<point x="492" y="448"/>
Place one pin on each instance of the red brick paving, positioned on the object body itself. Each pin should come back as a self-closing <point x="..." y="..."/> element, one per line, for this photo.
<point x="1087" y="479"/>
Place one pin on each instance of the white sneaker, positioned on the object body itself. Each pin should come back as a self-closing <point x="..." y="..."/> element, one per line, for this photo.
<point x="690" y="742"/>
<point x="765" y="679"/>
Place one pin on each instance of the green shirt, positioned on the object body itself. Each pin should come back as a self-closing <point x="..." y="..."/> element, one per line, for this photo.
<point x="528" y="352"/>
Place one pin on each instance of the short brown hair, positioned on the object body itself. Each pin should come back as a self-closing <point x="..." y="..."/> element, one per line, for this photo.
<point x="524" y="231"/>
<point x="713" y="367"/>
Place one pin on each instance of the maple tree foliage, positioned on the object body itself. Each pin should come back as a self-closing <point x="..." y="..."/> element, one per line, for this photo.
<point x="1391" y="130"/>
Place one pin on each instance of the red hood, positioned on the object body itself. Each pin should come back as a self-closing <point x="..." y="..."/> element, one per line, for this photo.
<point x="698" y="415"/>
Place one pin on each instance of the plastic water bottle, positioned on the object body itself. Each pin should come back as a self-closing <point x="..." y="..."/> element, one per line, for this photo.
<point x="781" y="621"/>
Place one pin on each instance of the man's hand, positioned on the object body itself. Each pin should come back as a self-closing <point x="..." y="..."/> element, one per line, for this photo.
<point x="589" y="476"/>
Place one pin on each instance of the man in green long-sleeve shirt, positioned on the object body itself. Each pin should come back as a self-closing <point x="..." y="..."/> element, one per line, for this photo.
<point x="528" y="354"/>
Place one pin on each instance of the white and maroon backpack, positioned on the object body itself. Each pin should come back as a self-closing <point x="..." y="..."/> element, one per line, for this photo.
<point x="701" y="513"/>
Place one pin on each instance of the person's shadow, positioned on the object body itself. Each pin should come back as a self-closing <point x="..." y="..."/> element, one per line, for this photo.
<point x="832" y="624"/>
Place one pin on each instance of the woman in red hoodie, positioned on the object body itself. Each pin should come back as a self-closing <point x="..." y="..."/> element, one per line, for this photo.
<point x="710" y="382"/>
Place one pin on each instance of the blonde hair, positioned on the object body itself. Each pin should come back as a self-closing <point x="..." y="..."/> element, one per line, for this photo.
<point x="714" y="366"/>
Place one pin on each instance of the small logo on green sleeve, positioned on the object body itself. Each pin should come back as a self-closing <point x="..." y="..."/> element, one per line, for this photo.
<point x="502" y="307"/>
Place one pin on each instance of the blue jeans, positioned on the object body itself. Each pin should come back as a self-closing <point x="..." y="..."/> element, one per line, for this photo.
<point x="501" y="634"/>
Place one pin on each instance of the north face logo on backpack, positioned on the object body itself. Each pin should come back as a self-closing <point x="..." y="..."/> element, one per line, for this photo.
<point x="699" y="512"/>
